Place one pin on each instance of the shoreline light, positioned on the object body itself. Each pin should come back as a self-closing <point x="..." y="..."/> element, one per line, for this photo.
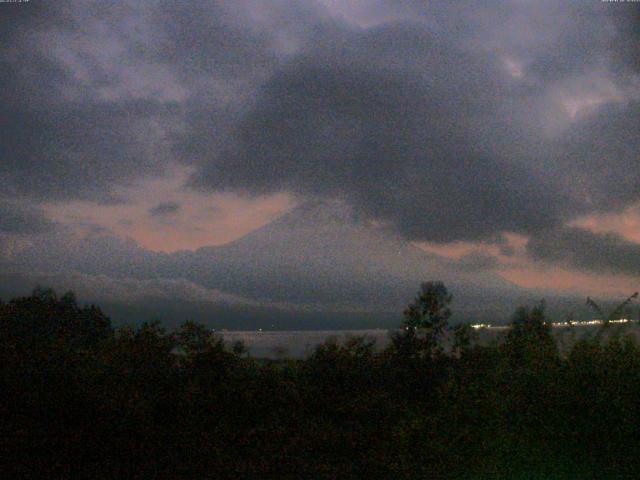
<point x="577" y="323"/>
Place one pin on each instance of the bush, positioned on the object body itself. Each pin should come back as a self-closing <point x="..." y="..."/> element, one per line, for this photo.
<point x="79" y="397"/>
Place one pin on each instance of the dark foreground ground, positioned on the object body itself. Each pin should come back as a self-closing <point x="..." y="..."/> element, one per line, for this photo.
<point x="79" y="399"/>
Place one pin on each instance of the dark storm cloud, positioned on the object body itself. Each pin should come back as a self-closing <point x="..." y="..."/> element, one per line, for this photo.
<point x="419" y="127"/>
<point x="627" y="37"/>
<point x="507" y="250"/>
<point x="586" y="250"/>
<point x="165" y="208"/>
<point x="62" y="139"/>
<point x="416" y="121"/>
<point x="236" y="36"/>
<point x="598" y="158"/>
<point x="93" y="90"/>
<point x="225" y="51"/>
<point x="27" y="75"/>
<point x="78" y="151"/>
<point x="553" y="39"/>
<point x="212" y="39"/>
<point x="477" y="262"/>
<point x="394" y="121"/>
<point x="16" y="218"/>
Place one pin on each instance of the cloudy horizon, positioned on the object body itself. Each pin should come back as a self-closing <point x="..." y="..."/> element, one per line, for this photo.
<point x="321" y="154"/>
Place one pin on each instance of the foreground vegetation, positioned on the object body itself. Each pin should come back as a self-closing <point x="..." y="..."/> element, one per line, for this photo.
<point x="80" y="399"/>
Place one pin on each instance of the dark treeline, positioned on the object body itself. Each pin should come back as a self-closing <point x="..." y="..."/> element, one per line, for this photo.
<point x="80" y="399"/>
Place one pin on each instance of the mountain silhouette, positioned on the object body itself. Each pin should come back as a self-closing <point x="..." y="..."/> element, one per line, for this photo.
<point x="324" y="253"/>
<point x="321" y="256"/>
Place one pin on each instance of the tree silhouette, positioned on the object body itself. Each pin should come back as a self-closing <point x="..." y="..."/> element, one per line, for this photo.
<point x="425" y="319"/>
<point x="463" y="337"/>
<point x="195" y="338"/>
<point x="45" y="319"/>
<point x="430" y="309"/>
<point x="530" y="342"/>
<point x="147" y="403"/>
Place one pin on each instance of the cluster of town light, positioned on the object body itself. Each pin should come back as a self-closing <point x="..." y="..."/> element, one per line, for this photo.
<point x="577" y="323"/>
<point x="488" y="326"/>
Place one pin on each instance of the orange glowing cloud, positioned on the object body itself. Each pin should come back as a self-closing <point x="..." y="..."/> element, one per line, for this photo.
<point x="567" y="281"/>
<point x="524" y="272"/>
<point x="197" y="219"/>
<point x="625" y="223"/>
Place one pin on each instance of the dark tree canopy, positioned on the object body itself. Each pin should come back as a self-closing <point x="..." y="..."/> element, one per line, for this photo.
<point x="430" y="309"/>
<point x="45" y="318"/>
<point x="78" y="399"/>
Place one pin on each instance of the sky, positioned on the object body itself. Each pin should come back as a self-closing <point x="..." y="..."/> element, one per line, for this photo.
<point x="277" y="155"/>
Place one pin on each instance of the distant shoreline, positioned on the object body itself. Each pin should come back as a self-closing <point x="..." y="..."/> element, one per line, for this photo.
<point x="476" y="326"/>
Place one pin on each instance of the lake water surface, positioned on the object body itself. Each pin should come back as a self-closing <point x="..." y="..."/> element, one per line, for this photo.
<point x="300" y="344"/>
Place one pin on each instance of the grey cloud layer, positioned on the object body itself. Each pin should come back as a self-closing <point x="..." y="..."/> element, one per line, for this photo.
<point x="94" y="91"/>
<point x="398" y="123"/>
<point x="416" y="121"/>
<point x="585" y="250"/>
<point x="318" y="255"/>
<point x="165" y="208"/>
<point x="72" y="130"/>
<point x="439" y="140"/>
<point x="598" y="158"/>
<point x="17" y="218"/>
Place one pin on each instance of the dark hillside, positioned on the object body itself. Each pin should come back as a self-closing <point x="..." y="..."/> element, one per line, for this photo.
<point x="79" y="399"/>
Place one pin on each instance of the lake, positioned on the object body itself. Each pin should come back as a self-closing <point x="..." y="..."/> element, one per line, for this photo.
<point x="300" y="344"/>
